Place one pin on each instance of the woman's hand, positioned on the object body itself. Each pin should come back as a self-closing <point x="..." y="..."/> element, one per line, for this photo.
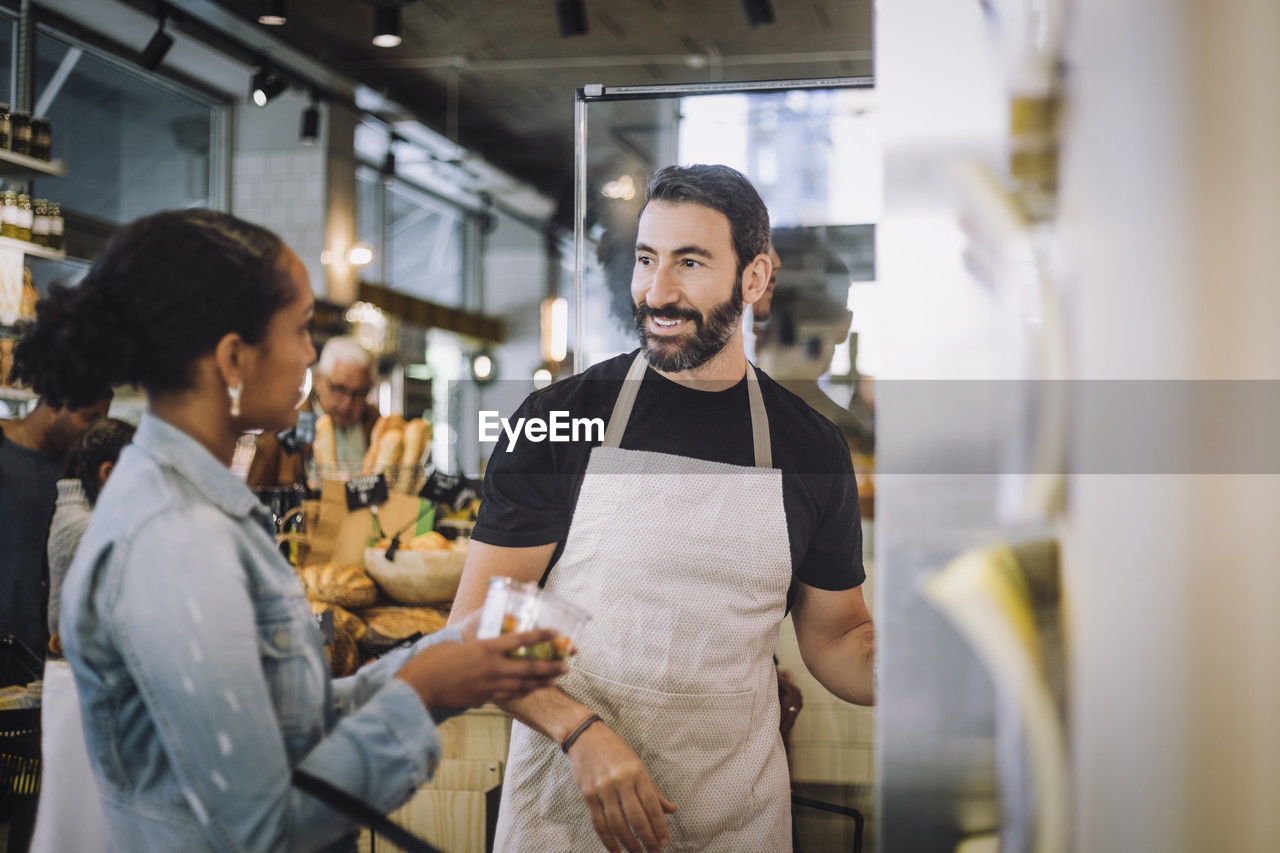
<point x="462" y="675"/>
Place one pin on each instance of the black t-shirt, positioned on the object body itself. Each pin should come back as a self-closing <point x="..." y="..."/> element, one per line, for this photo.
<point x="530" y="491"/>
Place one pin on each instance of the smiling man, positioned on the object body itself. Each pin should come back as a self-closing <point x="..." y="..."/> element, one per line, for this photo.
<point x="716" y="501"/>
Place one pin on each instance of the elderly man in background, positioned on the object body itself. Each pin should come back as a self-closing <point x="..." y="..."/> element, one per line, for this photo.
<point x="344" y="376"/>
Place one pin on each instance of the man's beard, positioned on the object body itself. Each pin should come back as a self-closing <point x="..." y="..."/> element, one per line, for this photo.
<point x="686" y="352"/>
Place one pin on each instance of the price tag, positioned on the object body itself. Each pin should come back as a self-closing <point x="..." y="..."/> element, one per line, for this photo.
<point x="453" y="490"/>
<point x="365" y="492"/>
<point x="301" y="434"/>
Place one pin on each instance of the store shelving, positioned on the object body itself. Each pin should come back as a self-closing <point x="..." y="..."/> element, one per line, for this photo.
<point x="14" y="165"/>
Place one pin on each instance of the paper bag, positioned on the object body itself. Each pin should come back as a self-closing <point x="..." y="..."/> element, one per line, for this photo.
<point x="341" y="535"/>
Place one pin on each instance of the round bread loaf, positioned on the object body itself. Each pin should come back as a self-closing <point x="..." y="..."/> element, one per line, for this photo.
<point x="389" y="625"/>
<point x="348" y="586"/>
<point x="348" y="632"/>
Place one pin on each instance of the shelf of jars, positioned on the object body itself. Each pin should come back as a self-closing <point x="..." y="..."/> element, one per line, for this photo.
<point x="15" y="165"/>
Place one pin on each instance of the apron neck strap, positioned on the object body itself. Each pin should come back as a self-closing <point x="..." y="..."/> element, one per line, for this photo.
<point x="631" y="387"/>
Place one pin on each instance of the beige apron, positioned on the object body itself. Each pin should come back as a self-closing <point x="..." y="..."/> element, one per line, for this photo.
<point x="684" y="565"/>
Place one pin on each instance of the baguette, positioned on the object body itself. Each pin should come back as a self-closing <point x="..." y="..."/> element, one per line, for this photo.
<point x="390" y="447"/>
<point x="416" y="436"/>
<point x="379" y="429"/>
<point x="325" y="448"/>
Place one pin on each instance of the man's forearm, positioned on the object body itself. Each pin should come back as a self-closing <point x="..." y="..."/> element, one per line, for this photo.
<point x="549" y="711"/>
<point x="846" y="665"/>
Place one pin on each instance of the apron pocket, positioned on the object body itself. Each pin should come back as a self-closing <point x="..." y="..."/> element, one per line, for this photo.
<point x="696" y="746"/>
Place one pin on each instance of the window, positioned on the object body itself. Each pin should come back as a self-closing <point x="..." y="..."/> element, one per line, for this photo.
<point x="132" y="142"/>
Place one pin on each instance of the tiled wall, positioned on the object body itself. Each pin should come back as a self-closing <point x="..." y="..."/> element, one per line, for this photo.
<point x="285" y="191"/>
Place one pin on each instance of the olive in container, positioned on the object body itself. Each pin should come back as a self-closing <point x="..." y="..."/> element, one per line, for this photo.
<point x="511" y="607"/>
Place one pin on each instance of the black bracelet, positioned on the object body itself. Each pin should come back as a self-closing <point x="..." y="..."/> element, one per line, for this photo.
<point x="576" y="733"/>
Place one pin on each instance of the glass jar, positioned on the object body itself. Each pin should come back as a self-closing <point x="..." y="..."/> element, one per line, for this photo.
<point x="55" y="226"/>
<point x="9" y="215"/>
<point x="41" y="138"/>
<point x="26" y="217"/>
<point x="6" y="127"/>
<point x="20" y="122"/>
<point x="40" y="222"/>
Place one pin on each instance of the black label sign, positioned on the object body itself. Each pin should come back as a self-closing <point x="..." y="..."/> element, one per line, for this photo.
<point x="301" y="434"/>
<point x="454" y="490"/>
<point x="365" y="492"/>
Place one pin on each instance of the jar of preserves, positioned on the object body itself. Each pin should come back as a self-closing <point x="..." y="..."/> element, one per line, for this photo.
<point x="20" y="123"/>
<point x="40" y="222"/>
<point x="26" y="217"/>
<point x="55" y="226"/>
<point x="9" y="215"/>
<point x="41" y="138"/>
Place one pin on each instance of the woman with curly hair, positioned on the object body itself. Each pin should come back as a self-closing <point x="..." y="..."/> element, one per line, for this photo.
<point x="201" y="674"/>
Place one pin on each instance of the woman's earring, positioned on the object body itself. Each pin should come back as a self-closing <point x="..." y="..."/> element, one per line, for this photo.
<point x="234" y="392"/>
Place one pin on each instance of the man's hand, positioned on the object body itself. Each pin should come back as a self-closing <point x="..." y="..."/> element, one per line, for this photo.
<point x="619" y="792"/>
<point x="462" y="675"/>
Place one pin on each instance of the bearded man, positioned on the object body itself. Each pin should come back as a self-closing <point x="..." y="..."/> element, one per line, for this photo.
<point x="716" y="502"/>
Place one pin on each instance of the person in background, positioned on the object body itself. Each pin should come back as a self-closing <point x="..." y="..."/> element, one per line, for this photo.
<point x="87" y="470"/>
<point x="69" y="816"/>
<point x="33" y="455"/>
<point x="201" y="674"/>
<point x="716" y="502"/>
<point x="344" y="377"/>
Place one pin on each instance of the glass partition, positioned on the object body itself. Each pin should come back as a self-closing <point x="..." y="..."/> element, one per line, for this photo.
<point x="812" y="150"/>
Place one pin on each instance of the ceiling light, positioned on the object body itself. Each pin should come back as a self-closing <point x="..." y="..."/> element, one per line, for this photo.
<point x="572" y="15"/>
<point x="361" y="255"/>
<point x="758" y="12"/>
<point x="386" y="26"/>
<point x="310" y="131"/>
<point x="265" y="86"/>
<point x="153" y="54"/>
<point x="272" y="13"/>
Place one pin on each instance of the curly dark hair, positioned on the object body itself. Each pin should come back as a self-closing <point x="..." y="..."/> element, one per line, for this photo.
<point x="725" y="190"/>
<point x="101" y="443"/>
<point x="163" y="292"/>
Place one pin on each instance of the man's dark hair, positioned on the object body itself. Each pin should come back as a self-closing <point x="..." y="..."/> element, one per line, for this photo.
<point x="101" y="443"/>
<point x="722" y="189"/>
<point x="162" y="293"/>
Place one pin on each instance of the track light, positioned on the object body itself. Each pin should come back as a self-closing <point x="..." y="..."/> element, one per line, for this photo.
<point x="310" y="131"/>
<point x="272" y="13"/>
<point x="386" y="26"/>
<point x="265" y="86"/>
<point x="758" y="12"/>
<point x="572" y="15"/>
<point x="153" y="54"/>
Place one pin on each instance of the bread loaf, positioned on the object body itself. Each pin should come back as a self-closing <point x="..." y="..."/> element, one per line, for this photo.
<point x="325" y="449"/>
<point x="416" y="437"/>
<point x="348" y="632"/>
<point x="379" y="429"/>
<point x="389" y="625"/>
<point x="348" y="586"/>
<point x="389" y="450"/>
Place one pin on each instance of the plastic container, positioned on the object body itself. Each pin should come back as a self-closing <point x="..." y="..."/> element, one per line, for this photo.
<point x="511" y="607"/>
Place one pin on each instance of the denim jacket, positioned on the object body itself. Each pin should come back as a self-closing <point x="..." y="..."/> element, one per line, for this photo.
<point x="202" y="676"/>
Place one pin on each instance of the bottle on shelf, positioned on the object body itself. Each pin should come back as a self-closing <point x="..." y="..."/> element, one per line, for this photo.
<point x="41" y="138"/>
<point x="20" y="122"/>
<point x="40" y="222"/>
<point x="55" y="227"/>
<point x="9" y="215"/>
<point x="6" y="127"/>
<point x="26" y="217"/>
